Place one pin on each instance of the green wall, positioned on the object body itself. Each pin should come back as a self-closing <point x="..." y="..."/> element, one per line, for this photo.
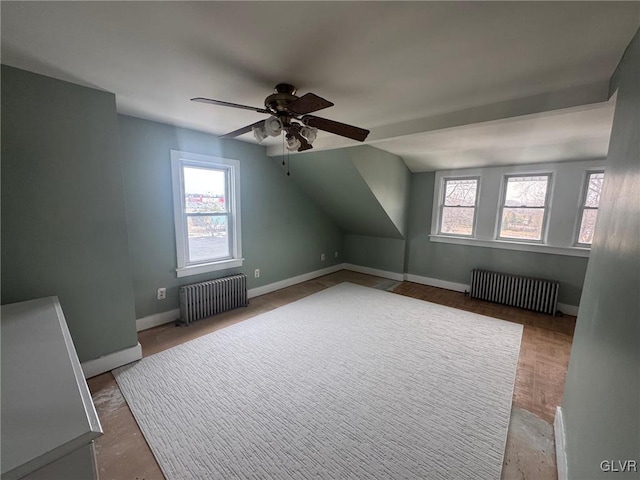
<point x="335" y="184"/>
<point x="366" y="191"/>
<point x="454" y="263"/>
<point x="283" y="231"/>
<point x="375" y="252"/>
<point x="601" y="405"/>
<point x="63" y="216"/>
<point x="87" y="210"/>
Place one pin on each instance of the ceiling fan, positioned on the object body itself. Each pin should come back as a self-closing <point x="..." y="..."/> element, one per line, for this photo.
<point x="290" y="114"/>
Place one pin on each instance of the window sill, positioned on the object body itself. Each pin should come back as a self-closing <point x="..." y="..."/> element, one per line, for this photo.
<point x="208" y="267"/>
<point x="522" y="246"/>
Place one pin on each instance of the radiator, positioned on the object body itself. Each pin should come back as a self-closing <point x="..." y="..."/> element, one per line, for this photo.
<point x="204" y="299"/>
<point x="525" y="292"/>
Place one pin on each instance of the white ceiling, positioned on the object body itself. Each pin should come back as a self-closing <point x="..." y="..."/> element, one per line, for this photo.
<point x="395" y="68"/>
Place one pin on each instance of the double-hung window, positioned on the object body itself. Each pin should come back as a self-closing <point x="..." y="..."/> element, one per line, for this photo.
<point x="206" y="200"/>
<point x="458" y="206"/>
<point x="524" y="207"/>
<point x="589" y="210"/>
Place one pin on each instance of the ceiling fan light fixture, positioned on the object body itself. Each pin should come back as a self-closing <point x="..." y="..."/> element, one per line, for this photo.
<point x="273" y="126"/>
<point x="293" y="144"/>
<point x="259" y="133"/>
<point x="310" y="133"/>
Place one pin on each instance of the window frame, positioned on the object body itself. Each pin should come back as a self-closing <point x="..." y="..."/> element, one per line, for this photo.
<point x="443" y="194"/>
<point x="583" y="207"/>
<point x="179" y="160"/>
<point x="546" y="207"/>
<point x="563" y="205"/>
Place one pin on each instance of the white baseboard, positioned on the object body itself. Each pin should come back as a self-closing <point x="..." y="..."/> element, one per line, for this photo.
<point x="157" y="319"/>
<point x="108" y="362"/>
<point x="568" y="309"/>
<point x="434" y="282"/>
<point x="172" y="315"/>
<point x="561" y="447"/>
<point x="169" y="316"/>
<point x="374" y="271"/>
<point x="272" y="287"/>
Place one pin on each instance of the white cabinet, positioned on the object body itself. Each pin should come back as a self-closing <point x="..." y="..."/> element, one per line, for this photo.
<point x="48" y="419"/>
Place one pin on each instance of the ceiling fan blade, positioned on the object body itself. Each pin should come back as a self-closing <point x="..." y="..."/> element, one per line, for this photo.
<point x="228" y="104"/>
<point x="309" y="102"/>
<point x="241" y="131"/>
<point x="337" y="128"/>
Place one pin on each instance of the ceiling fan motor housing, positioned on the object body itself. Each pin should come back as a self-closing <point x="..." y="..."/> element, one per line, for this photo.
<point x="285" y="88"/>
<point x="278" y="102"/>
<point x="281" y="97"/>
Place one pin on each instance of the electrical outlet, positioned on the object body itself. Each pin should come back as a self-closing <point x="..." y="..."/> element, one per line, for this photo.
<point x="335" y="254"/>
<point x="323" y="257"/>
<point x="162" y="293"/>
<point x="256" y="273"/>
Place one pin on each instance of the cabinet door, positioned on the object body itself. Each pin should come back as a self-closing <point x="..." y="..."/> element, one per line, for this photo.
<point x="78" y="465"/>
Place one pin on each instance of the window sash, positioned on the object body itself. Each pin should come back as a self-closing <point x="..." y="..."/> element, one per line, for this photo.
<point x="190" y="262"/>
<point x="443" y="199"/>
<point x="215" y="253"/>
<point x="584" y="206"/>
<point x="185" y="223"/>
<point x="184" y="164"/>
<point x="543" y="228"/>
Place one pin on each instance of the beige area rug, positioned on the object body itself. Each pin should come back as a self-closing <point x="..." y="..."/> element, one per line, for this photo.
<point x="348" y="383"/>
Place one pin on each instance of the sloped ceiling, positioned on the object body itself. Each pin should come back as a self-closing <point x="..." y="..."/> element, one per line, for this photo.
<point x="401" y="69"/>
<point x="353" y="193"/>
<point x="389" y="180"/>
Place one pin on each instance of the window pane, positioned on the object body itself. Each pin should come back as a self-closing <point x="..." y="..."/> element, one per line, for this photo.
<point x="594" y="189"/>
<point x="208" y="238"/>
<point x="457" y="220"/>
<point x="461" y="192"/>
<point x="523" y="223"/>
<point x="204" y="190"/>
<point x="587" y="226"/>
<point x="526" y="191"/>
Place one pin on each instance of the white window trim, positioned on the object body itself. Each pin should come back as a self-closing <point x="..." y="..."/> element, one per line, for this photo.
<point x="443" y="192"/>
<point x="180" y="159"/>
<point x="567" y="176"/>
<point x="583" y="200"/>
<point x="546" y="208"/>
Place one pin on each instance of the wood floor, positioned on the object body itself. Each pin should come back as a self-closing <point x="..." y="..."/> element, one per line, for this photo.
<point x="123" y="454"/>
<point x="544" y="352"/>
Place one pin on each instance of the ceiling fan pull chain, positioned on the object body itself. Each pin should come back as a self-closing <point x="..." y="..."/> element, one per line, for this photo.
<point x="283" y="148"/>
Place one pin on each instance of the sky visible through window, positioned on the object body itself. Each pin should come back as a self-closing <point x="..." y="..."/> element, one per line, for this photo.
<point x="204" y="181"/>
<point x="526" y="191"/>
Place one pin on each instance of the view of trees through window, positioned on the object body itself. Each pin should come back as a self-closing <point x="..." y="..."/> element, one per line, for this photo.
<point x="524" y="207"/>
<point x="595" y="180"/>
<point x="206" y="211"/>
<point x="458" y="206"/>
